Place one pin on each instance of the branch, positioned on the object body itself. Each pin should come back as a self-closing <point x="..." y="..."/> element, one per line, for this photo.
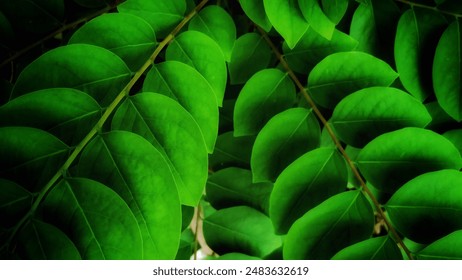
<point x="434" y="8"/>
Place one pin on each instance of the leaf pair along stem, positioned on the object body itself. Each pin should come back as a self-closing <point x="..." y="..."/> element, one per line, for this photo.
<point x="98" y="126"/>
<point x="336" y="141"/>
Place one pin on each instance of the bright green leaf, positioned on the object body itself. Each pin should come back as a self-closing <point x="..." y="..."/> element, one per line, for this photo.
<point x="314" y="15"/>
<point x="308" y="181"/>
<point x="237" y="256"/>
<point x="255" y="10"/>
<point x="266" y="94"/>
<point x="335" y="9"/>
<point x="341" y="74"/>
<point x="379" y="248"/>
<point x="445" y="248"/>
<point x="370" y="112"/>
<point x="15" y="201"/>
<point x="231" y="151"/>
<point x="393" y="158"/>
<point x="285" y="137"/>
<point x="338" y="222"/>
<point x="455" y="136"/>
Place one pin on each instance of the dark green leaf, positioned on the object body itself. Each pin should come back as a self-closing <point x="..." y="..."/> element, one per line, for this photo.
<point x="237" y="256"/>
<point x="29" y="156"/>
<point x="393" y="158"/>
<point x="216" y="23"/>
<point x="308" y="181"/>
<point x="314" y="15"/>
<point x="231" y="151"/>
<point x="266" y="94"/>
<point x="335" y="9"/>
<point x="15" y="201"/>
<point x="91" y="69"/>
<point x="250" y="54"/>
<point x="128" y="36"/>
<point x="66" y="113"/>
<point x="455" y="136"/>
<point x="445" y="248"/>
<point x="95" y="218"/>
<point x="447" y="71"/>
<point x="428" y="207"/>
<point x="370" y="112"/>
<point x="137" y="171"/>
<point x="441" y="121"/>
<point x="187" y="213"/>
<point x="193" y="93"/>
<point x="338" y="222"/>
<point x="174" y="133"/>
<point x="201" y="52"/>
<point x="255" y="10"/>
<point x="91" y="3"/>
<point x="285" y="137"/>
<point x="233" y="187"/>
<point x="379" y="248"/>
<point x="416" y="38"/>
<point x="240" y="229"/>
<point x="341" y="74"/>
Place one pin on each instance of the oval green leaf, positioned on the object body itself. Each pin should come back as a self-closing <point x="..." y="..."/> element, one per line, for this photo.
<point x="370" y="112"/>
<point x="255" y="10"/>
<point x="394" y="158"/>
<point x="445" y="248"/>
<point x="335" y="10"/>
<point x="231" y="151"/>
<point x="266" y="94"/>
<point x="314" y="15"/>
<point x="379" y="248"/>
<point x="285" y="137"/>
<point x="341" y="74"/>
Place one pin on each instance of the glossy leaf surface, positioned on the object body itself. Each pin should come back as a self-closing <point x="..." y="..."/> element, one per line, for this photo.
<point x="379" y="248"/>
<point x="445" y="248"/>
<point x="314" y="15"/>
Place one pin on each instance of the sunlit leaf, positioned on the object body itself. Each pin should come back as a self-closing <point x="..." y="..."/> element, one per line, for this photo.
<point x="335" y="9"/>
<point x="314" y="15"/>
<point x="255" y="10"/>
<point x="379" y="248"/>
<point x="445" y="248"/>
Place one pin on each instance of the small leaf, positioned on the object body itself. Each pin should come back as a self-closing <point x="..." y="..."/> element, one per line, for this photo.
<point x="216" y="23"/>
<point x="250" y="55"/>
<point x="231" y="151"/>
<point x="91" y="69"/>
<point x="341" y="74"/>
<point x="128" y="36"/>
<point x="29" y="156"/>
<point x="379" y="248"/>
<point x="202" y="53"/>
<point x="370" y="112"/>
<point x="15" y="201"/>
<point x="335" y="9"/>
<point x="283" y="139"/>
<point x="266" y="94"/>
<point x="255" y="10"/>
<point x="137" y="172"/>
<point x="340" y="221"/>
<point x="174" y="133"/>
<point x="240" y="229"/>
<point x="314" y="15"/>
<point x="42" y="241"/>
<point x="233" y="187"/>
<point x="95" y="218"/>
<point x="163" y="16"/>
<point x="305" y="183"/>
<point x="447" y="71"/>
<point x="193" y="93"/>
<point x="389" y="161"/>
<point x="66" y="113"/>
<point x="287" y="19"/>
<point x="416" y="38"/>
<point x="428" y="207"/>
<point x="445" y="248"/>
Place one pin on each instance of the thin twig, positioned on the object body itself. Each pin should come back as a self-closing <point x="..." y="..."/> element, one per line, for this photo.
<point x="339" y="146"/>
<point x="434" y="8"/>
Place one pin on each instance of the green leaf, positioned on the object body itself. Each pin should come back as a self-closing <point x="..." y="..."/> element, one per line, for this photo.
<point x="455" y="136"/>
<point x="128" y="36"/>
<point x="250" y="54"/>
<point x="233" y="187"/>
<point x="340" y="221"/>
<point x="137" y="171"/>
<point x="370" y="112"/>
<point x="29" y="156"/>
<point x="216" y="23"/>
<point x="441" y="121"/>
<point x="335" y="9"/>
<point x="314" y="15"/>
<point x="202" y="53"/>
<point x="174" y="133"/>
<point x="287" y="19"/>
<point x="42" y="241"/>
<point x="308" y="181"/>
<point x="312" y="48"/>
<point x="187" y="213"/>
<point x="66" y="113"/>
<point x="428" y="207"/>
<point x="393" y="158"/>
<point x="95" y="218"/>
<point x="237" y="256"/>
<point x="91" y="69"/>
<point x="163" y="16"/>
<point x="231" y="151"/>
<point x="283" y="139"/>
<point x="379" y="248"/>
<point x="255" y="10"/>
<point x="341" y="74"/>
<point x="15" y="201"/>
<point x="240" y="229"/>
<point x="193" y="93"/>
<point x="416" y="38"/>
<point x="445" y="248"/>
<point x="266" y="94"/>
<point x="447" y="71"/>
